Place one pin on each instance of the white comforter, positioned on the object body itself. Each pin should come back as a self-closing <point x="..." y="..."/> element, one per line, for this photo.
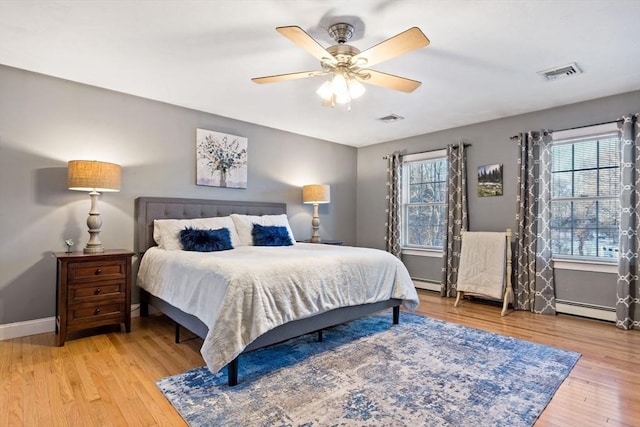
<point x="242" y="293"/>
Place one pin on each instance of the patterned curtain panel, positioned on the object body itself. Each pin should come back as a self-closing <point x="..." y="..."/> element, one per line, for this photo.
<point x="392" y="234"/>
<point x="456" y="219"/>
<point x="628" y="287"/>
<point x="534" y="287"/>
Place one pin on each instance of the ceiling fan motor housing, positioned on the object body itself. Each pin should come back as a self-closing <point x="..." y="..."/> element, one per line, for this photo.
<point x="342" y="53"/>
<point x="341" y="32"/>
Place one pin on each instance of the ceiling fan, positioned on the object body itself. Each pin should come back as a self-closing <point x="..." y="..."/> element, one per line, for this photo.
<point x="348" y="66"/>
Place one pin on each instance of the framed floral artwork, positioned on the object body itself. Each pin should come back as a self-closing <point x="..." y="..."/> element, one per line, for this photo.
<point x="221" y="159"/>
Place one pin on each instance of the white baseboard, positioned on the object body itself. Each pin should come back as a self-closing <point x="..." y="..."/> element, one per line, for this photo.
<point x="26" y="328"/>
<point x="43" y="326"/>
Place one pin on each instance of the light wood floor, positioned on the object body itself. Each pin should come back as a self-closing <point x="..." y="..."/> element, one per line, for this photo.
<point x="109" y="378"/>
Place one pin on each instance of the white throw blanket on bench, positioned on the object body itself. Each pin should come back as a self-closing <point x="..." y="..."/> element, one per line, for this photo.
<point x="482" y="264"/>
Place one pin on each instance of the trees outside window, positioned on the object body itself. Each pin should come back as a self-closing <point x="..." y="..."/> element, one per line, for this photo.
<point x="424" y="199"/>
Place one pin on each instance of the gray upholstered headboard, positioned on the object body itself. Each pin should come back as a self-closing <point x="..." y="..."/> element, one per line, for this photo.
<point x="149" y="208"/>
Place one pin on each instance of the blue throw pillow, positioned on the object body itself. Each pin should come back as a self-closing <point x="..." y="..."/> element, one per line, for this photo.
<point x="270" y="235"/>
<point x="205" y="240"/>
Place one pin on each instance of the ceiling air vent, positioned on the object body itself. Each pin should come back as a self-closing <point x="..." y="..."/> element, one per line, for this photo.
<point x="391" y="118"/>
<point x="560" y="72"/>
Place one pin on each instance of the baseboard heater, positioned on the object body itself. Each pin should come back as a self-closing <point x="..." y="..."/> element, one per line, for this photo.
<point x="586" y="310"/>
<point x="426" y="284"/>
<point x="562" y="306"/>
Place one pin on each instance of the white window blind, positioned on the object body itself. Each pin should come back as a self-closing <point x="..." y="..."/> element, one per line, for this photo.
<point x="585" y="186"/>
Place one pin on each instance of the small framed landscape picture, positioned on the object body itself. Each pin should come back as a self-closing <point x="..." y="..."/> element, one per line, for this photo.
<point x="221" y="159"/>
<point x="489" y="180"/>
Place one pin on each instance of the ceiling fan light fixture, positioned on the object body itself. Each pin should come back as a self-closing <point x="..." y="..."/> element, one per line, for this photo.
<point x="325" y="91"/>
<point x="341" y="89"/>
<point x="339" y="85"/>
<point x="356" y="89"/>
<point x="343" y="98"/>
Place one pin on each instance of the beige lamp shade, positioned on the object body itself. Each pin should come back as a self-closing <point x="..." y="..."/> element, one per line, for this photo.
<point x="91" y="175"/>
<point x="316" y="193"/>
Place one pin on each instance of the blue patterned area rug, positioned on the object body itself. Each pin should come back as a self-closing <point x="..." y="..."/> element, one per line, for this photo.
<point x="370" y="373"/>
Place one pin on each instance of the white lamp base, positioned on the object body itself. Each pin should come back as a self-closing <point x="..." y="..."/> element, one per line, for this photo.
<point x="315" y="223"/>
<point x="94" y="222"/>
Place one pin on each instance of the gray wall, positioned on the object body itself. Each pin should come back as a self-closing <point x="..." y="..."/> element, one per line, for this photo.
<point x="491" y="144"/>
<point x="44" y="122"/>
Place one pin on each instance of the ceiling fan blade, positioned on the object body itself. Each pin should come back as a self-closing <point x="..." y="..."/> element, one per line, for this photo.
<point x="390" y="81"/>
<point x="290" y="76"/>
<point x="308" y="43"/>
<point x="397" y="45"/>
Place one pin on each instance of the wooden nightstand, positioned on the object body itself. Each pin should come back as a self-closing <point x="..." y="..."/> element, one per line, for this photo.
<point x="92" y="290"/>
<point x="325" y="242"/>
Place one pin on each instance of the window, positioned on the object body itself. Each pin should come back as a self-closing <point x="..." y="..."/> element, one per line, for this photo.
<point x="585" y="185"/>
<point x="424" y="200"/>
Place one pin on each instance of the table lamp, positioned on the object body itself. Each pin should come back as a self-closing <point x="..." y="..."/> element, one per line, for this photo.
<point x="93" y="176"/>
<point x="316" y="194"/>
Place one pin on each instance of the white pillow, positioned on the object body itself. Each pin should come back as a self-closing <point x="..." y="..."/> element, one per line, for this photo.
<point x="244" y="225"/>
<point x="166" y="232"/>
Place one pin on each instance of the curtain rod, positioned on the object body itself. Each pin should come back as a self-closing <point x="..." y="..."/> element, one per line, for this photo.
<point x="422" y="152"/>
<point x="576" y="127"/>
<point x="586" y="126"/>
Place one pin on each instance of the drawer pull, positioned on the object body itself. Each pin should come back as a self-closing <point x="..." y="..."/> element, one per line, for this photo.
<point x="97" y="311"/>
<point x="98" y="271"/>
<point x="98" y="291"/>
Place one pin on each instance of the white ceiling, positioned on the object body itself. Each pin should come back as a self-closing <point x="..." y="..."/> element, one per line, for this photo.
<point x="481" y="63"/>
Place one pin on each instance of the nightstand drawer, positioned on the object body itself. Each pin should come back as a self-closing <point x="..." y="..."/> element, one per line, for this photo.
<point x="93" y="271"/>
<point x="95" y="291"/>
<point x="96" y="312"/>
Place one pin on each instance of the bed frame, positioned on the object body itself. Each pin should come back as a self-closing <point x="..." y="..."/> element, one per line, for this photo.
<point x="148" y="209"/>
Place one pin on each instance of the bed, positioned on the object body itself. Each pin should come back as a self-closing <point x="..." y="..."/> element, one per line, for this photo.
<point x="161" y="284"/>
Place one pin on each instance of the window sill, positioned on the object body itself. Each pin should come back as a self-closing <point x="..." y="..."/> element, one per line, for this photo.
<point x="432" y="253"/>
<point x="590" y="266"/>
